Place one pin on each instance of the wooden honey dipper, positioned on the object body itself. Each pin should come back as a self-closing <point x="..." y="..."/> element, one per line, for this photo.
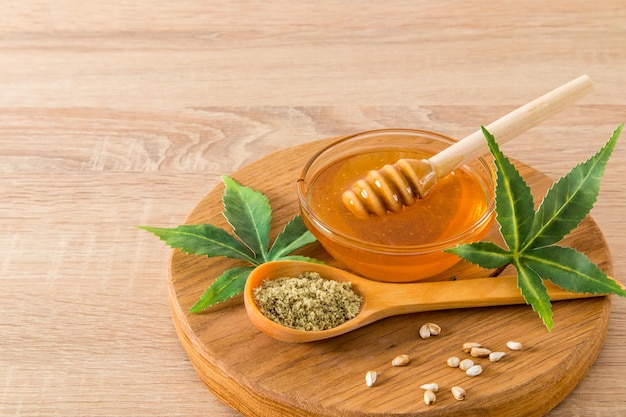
<point x="401" y="184"/>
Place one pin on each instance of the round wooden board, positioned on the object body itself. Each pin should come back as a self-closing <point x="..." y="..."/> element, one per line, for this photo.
<point x="260" y="376"/>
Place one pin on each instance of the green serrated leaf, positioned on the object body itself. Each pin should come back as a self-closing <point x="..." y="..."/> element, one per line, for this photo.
<point x="298" y="258"/>
<point x="484" y="254"/>
<point x="202" y="239"/>
<point x="535" y="293"/>
<point x="571" y="270"/>
<point x="249" y="213"/>
<point x="570" y="199"/>
<point x="531" y="236"/>
<point x="294" y="236"/>
<point x="227" y="285"/>
<point x="514" y="202"/>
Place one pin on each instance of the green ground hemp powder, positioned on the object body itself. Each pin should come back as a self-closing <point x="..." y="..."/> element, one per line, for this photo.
<point x="307" y="302"/>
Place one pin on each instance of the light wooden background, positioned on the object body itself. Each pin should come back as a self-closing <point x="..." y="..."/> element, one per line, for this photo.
<point x="115" y="114"/>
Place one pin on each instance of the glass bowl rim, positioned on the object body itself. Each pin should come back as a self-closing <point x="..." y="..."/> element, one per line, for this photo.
<point x="349" y="241"/>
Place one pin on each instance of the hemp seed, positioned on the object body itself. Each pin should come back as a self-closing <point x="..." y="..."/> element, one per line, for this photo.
<point x="401" y="360"/>
<point x="434" y="329"/>
<point x="429" y="329"/>
<point x="466" y="364"/>
<point x="479" y="352"/>
<point x="514" y="345"/>
<point x="429" y="397"/>
<point x="434" y="387"/>
<point x="453" y="362"/>
<point x="458" y="393"/>
<point x="474" y="370"/>
<point x="467" y="347"/>
<point x="370" y="378"/>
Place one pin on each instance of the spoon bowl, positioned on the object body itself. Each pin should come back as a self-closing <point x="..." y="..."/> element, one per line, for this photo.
<point x="381" y="299"/>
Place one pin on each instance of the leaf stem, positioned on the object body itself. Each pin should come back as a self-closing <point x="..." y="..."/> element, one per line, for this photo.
<point x="498" y="271"/>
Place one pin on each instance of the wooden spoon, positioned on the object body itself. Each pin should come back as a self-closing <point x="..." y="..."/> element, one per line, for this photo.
<point x="382" y="300"/>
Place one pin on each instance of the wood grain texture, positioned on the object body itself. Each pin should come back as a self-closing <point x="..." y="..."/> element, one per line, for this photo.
<point x="115" y="114"/>
<point x="164" y="55"/>
<point x="260" y="376"/>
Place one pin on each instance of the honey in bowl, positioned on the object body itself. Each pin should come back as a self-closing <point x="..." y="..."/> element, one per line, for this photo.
<point x="396" y="247"/>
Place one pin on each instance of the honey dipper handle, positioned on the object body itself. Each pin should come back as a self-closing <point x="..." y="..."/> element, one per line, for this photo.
<point x="512" y="125"/>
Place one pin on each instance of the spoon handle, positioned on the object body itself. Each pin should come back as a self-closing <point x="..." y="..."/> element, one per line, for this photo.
<point x="431" y="296"/>
<point x="512" y="125"/>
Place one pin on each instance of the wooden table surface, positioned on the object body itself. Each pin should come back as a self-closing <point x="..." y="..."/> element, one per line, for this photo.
<point x="115" y="115"/>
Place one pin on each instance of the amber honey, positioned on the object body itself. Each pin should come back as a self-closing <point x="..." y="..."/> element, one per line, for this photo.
<point x="455" y="203"/>
<point x="404" y="246"/>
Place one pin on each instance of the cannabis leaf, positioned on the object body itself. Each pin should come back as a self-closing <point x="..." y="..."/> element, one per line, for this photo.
<point x="249" y="214"/>
<point x="530" y="236"/>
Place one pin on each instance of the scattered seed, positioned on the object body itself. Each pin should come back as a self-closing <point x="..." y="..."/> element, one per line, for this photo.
<point x="467" y="347"/>
<point x="474" y="370"/>
<point x="434" y="329"/>
<point x="480" y="352"/>
<point x="370" y="378"/>
<point x="429" y="397"/>
<point x="514" y="345"/>
<point x="434" y="387"/>
<point x="458" y="393"/>
<point x="453" y="362"/>
<point x="400" y="360"/>
<point x="496" y="356"/>
<point x="466" y="364"/>
<point x="424" y="332"/>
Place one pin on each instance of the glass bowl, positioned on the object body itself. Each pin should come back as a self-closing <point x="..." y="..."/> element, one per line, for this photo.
<point x="397" y="247"/>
